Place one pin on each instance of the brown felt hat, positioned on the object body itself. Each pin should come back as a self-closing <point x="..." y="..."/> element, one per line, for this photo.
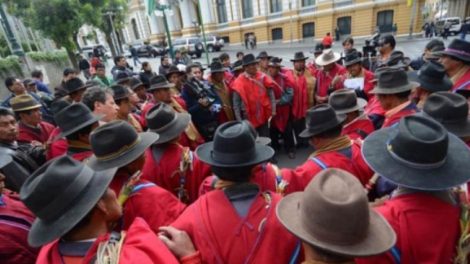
<point x="24" y="102"/>
<point x="333" y="214"/>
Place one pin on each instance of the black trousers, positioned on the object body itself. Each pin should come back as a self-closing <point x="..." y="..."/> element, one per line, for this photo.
<point x="287" y="136"/>
<point x="263" y="130"/>
<point x="299" y="126"/>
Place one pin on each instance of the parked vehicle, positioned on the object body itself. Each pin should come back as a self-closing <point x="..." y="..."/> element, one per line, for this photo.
<point x="87" y="51"/>
<point x="455" y="22"/>
<point x="144" y="50"/>
<point x="193" y="45"/>
<point x="214" y="43"/>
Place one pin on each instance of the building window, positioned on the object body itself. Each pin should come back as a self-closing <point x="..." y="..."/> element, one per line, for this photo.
<point x="247" y="8"/>
<point x="276" y="34"/>
<point x="385" y="20"/>
<point x="308" y="30"/>
<point x="344" y="25"/>
<point x="221" y="11"/>
<point x="308" y="2"/>
<point x="276" y="6"/>
<point x="135" y="29"/>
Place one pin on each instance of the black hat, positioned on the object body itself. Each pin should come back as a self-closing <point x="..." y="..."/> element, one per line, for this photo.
<point x="451" y="110"/>
<point x="216" y="67"/>
<point x="120" y="92"/>
<point x="346" y="101"/>
<point x="68" y="71"/>
<point x="458" y="49"/>
<point x="60" y="194"/>
<point x="159" y="82"/>
<point x="234" y="146"/>
<point x="249" y="59"/>
<point x="432" y="77"/>
<point x="73" y="118"/>
<point x="318" y="49"/>
<point x="162" y="119"/>
<point x="74" y="85"/>
<point x="299" y="56"/>
<point x="393" y="81"/>
<point x="117" y="144"/>
<point x="136" y="83"/>
<point x="263" y="55"/>
<point x="351" y="58"/>
<point x="173" y="69"/>
<point x="275" y="62"/>
<point x="418" y="153"/>
<point x="237" y="65"/>
<point x="321" y="118"/>
<point x="122" y="77"/>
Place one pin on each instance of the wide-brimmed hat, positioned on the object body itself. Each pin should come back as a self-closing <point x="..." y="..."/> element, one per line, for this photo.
<point x="333" y="214"/>
<point x="321" y="118"/>
<point x="24" y="102"/>
<point x="418" y="153"/>
<point x="459" y="49"/>
<point x="275" y="62"/>
<point x="60" y="194"/>
<point x="431" y="77"/>
<point x="162" y="119"/>
<point x="263" y="55"/>
<point x="122" y="77"/>
<point x="74" y="85"/>
<point x="249" y="59"/>
<point x="136" y="83"/>
<point x="392" y="81"/>
<point x="299" y="56"/>
<point x="318" y="49"/>
<point x="327" y="57"/>
<point x="237" y="65"/>
<point x="351" y="58"/>
<point x="172" y="70"/>
<point x="346" y="101"/>
<point x="216" y="67"/>
<point x="451" y="110"/>
<point x="234" y="146"/>
<point x="259" y="140"/>
<point x="120" y="92"/>
<point x="159" y="82"/>
<point x="117" y="144"/>
<point x="73" y="118"/>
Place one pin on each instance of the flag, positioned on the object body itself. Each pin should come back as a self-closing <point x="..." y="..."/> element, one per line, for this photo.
<point x="150" y="7"/>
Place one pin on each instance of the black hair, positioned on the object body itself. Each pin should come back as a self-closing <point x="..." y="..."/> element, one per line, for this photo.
<point x="331" y="133"/>
<point x="9" y="81"/>
<point x="118" y="58"/>
<point x="36" y="74"/>
<point x="240" y="53"/>
<point x="94" y="94"/>
<point x="348" y="40"/>
<point x="119" y="101"/>
<point x="238" y="174"/>
<point x="145" y="64"/>
<point x="6" y="112"/>
<point x="435" y="43"/>
<point x="224" y="56"/>
<point x="163" y="58"/>
<point x="100" y="66"/>
<point x="83" y="131"/>
<point x="389" y="39"/>
<point x="328" y="33"/>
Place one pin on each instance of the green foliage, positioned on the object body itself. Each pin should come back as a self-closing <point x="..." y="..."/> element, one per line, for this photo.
<point x="4" y="49"/>
<point x="58" y="57"/>
<point x="10" y="64"/>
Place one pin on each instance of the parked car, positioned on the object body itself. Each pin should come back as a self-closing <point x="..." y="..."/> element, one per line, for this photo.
<point x="214" y="43"/>
<point x="455" y="22"/>
<point x="148" y="51"/>
<point x="193" y="45"/>
<point x="87" y="51"/>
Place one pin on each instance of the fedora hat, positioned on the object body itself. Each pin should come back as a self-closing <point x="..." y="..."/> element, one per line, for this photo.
<point x="263" y="55"/>
<point x="159" y="82"/>
<point x="392" y="81"/>
<point x="333" y="214"/>
<point x="299" y="56"/>
<point x="216" y="67"/>
<point x="117" y="144"/>
<point x="74" y="85"/>
<point x="327" y="57"/>
<point x="73" y="118"/>
<point x="60" y="194"/>
<point x="120" y="92"/>
<point x="418" y="153"/>
<point x="431" y="77"/>
<point x="234" y="145"/>
<point x="249" y="59"/>
<point x="173" y="69"/>
<point x="346" y="101"/>
<point x="24" y="102"/>
<point x="351" y="58"/>
<point x="162" y="119"/>
<point x="259" y="140"/>
<point x="458" y="49"/>
<point x="122" y="77"/>
<point x="451" y="110"/>
<point x="318" y="49"/>
<point x="321" y="118"/>
<point x="136" y="83"/>
<point x="275" y="62"/>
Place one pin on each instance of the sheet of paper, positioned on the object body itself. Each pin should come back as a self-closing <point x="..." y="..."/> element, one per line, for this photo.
<point x="354" y="83"/>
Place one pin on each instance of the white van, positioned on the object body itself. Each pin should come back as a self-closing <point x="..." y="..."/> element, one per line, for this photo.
<point x="455" y="22"/>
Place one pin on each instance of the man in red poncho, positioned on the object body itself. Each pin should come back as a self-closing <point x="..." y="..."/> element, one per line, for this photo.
<point x="236" y="223"/>
<point x="74" y="222"/>
<point x="253" y="97"/>
<point x="329" y="77"/>
<point x="425" y="161"/>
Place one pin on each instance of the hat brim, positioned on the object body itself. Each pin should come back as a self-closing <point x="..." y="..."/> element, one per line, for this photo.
<point x="217" y="71"/>
<point x="76" y="128"/>
<point x="262" y="154"/>
<point x="404" y="88"/>
<point x="175" y="72"/>
<point x="135" y="86"/>
<point x="443" y="86"/>
<point x="308" y="133"/>
<point x="28" y="108"/>
<point x="379" y="238"/>
<point x="77" y="90"/>
<point x="120" y="81"/>
<point x="250" y="63"/>
<point x="157" y="87"/>
<point x="453" y="173"/>
<point x="44" y="232"/>
<point x="147" y="139"/>
<point x="454" y="55"/>
<point x="349" y="63"/>
<point x="173" y="131"/>
<point x="321" y="62"/>
<point x="361" y="103"/>
<point x="299" y="59"/>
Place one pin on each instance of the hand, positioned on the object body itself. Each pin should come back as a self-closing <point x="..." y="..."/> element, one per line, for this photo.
<point x="177" y="241"/>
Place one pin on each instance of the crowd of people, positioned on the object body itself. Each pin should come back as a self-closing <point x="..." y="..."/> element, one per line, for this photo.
<point x="180" y="166"/>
